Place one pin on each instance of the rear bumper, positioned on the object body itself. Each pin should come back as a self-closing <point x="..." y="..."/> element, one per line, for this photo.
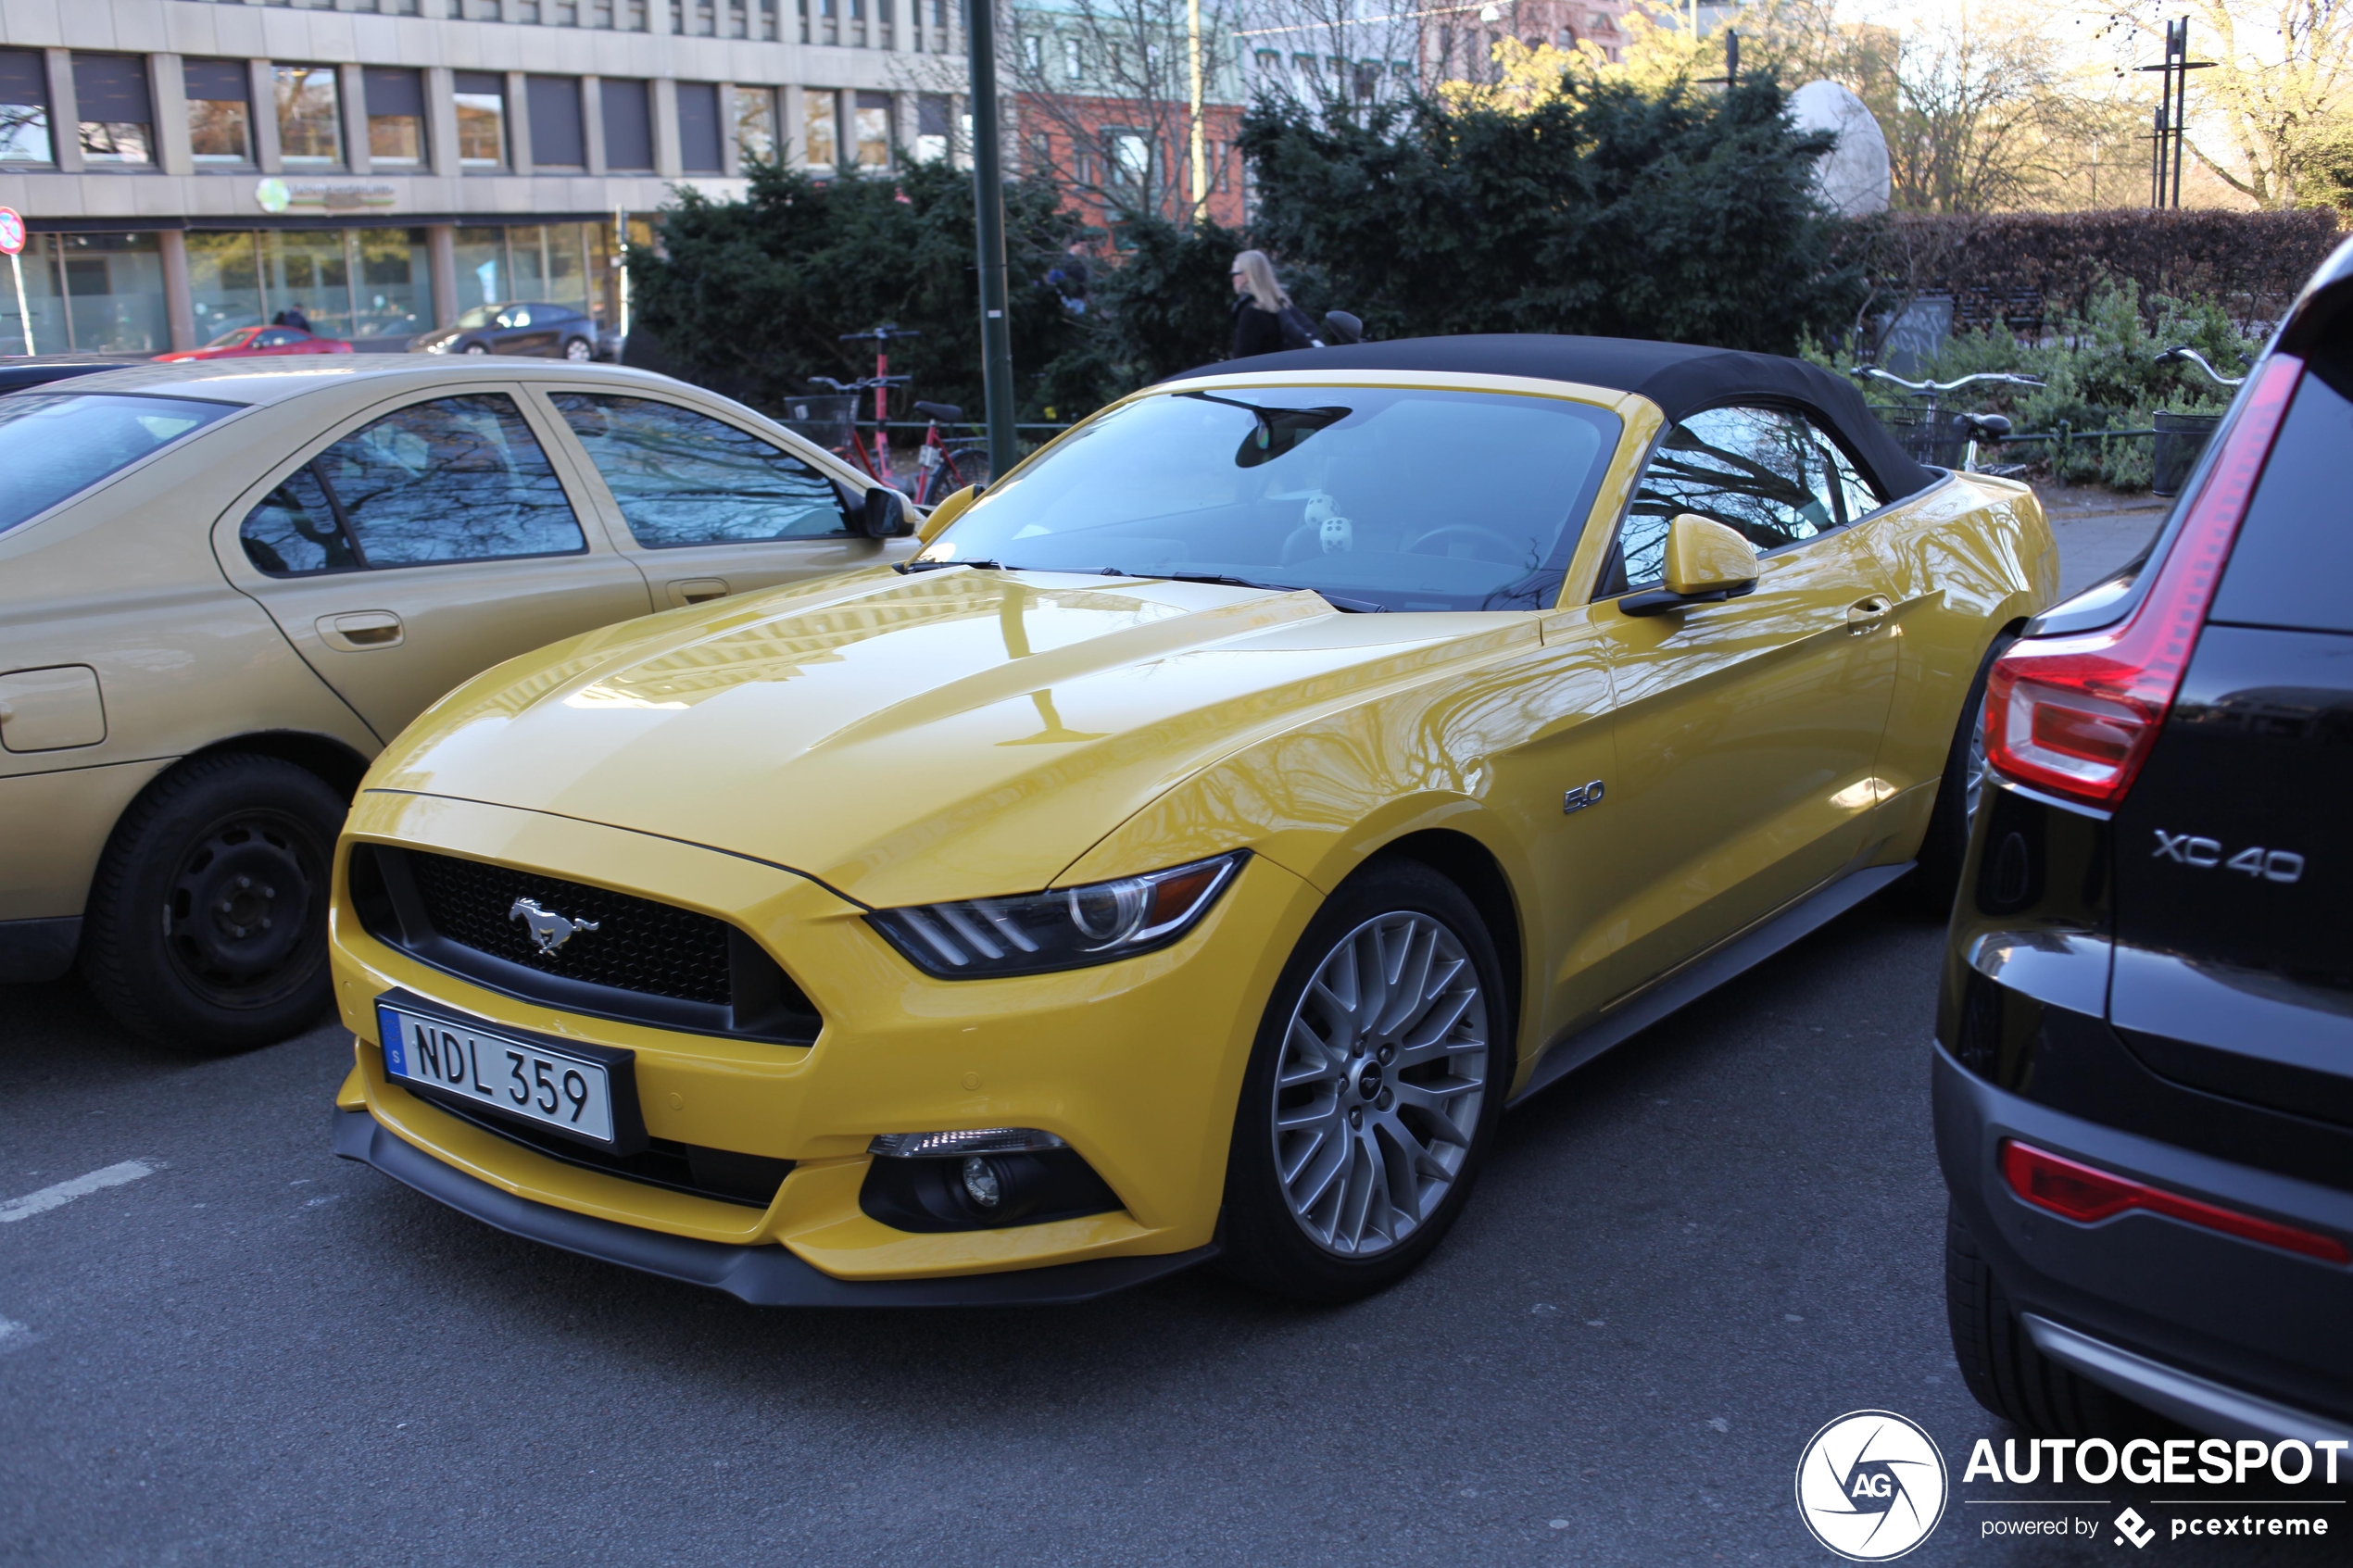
<point x="764" y="1274"/>
<point x="2228" y="1336"/>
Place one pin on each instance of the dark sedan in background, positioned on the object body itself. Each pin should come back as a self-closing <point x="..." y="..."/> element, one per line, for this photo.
<point x="530" y="327"/>
<point x="2144" y="1082"/>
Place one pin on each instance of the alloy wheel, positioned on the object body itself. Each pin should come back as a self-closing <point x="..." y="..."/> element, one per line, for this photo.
<point x="1379" y="1086"/>
<point x="1973" y="769"/>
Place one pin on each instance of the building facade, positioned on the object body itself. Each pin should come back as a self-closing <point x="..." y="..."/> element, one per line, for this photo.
<point x="186" y="167"/>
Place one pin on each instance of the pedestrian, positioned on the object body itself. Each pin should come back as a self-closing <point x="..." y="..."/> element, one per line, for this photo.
<point x="1259" y="304"/>
<point x="1073" y="278"/>
<point x="291" y="316"/>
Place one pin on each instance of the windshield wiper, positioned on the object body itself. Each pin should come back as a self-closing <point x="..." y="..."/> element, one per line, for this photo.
<point x="908" y="566"/>
<point x="1354" y="607"/>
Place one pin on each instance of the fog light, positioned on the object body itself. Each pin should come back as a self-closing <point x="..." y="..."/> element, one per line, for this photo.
<point x="981" y="1184"/>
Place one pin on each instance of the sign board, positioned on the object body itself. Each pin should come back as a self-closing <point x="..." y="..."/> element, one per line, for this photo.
<point x="11" y="230"/>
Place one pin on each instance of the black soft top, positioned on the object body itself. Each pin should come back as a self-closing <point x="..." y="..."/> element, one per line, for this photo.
<point x="1681" y="378"/>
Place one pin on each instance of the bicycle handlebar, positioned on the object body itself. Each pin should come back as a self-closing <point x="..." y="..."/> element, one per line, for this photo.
<point x="866" y="384"/>
<point x="882" y="334"/>
<point x="2186" y="352"/>
<point x="1872" y="372"/>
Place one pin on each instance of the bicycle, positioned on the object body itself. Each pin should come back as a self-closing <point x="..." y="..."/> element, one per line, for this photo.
<point x="942" y="467"/>
<point x="1923" y="438"/>
<point x="882" y="380"/>
<point x="832" y="422"/>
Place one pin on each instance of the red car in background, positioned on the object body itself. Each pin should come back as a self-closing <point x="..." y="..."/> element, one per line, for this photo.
<point x="244" y="343"/>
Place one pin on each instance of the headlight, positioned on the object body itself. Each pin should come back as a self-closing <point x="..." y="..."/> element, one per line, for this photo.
<point x="442" y="346"/>
<point x="1068" y="928"/>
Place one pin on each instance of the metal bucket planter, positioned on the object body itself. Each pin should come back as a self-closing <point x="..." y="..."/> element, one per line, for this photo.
<point x="2181" y="439"/>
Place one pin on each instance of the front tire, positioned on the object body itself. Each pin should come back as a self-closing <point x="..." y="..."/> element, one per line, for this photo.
<point x="475" y="348"/>
<point x="207" y="925"/>
<point x="579" y="350"/>
<point x="1373" y="1092"/>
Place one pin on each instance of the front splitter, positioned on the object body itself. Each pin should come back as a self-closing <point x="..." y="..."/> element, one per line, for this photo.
<point x="767" y="1276"/>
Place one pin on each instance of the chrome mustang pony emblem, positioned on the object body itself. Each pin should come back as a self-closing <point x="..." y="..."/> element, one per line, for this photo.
<point x="549" y="929"/>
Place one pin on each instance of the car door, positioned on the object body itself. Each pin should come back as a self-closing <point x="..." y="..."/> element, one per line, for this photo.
<point x="706" y="506"/>
<point x="1746" y="729"/>
<point x="525" y="329"/>
<point x="421" y="547"/>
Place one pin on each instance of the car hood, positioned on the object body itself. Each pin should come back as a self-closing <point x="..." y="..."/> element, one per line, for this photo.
<point x="908" y="738"/>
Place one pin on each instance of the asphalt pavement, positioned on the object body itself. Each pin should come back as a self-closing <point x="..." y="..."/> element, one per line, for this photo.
<point x="225" y="1346"/>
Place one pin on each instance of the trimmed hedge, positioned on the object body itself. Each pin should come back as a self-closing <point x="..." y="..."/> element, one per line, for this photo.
<point x="2252" y="263"/>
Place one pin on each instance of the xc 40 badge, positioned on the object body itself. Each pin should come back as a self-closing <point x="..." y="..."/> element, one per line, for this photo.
<point x="2271" y="865"/>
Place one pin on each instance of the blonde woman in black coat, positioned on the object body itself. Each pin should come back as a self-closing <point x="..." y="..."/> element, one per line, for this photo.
<point x="1259" y="303"/>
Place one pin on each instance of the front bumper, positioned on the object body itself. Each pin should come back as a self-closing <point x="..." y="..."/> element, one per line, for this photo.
<point x="1136" y="1065"/>
<point x="2228" y="1336"/>
<point x="763" y="1275"/>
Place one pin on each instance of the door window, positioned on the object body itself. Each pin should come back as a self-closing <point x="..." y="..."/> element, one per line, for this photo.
<point x="1768" y="473"/>
<point x="276" y="337"/>
<point x="683" y="478"/>
<point x="454" y="479"/>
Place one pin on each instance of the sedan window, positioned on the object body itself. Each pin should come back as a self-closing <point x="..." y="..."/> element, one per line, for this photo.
<point x="454" y="479"/>
<point x="54" y="444"/>
<point x="684" y="478"/>
<point x="294" y="532"/>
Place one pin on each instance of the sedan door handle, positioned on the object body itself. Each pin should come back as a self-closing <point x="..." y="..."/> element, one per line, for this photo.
<point x="359" y="630"/>
<point x="697" y="590"/>
<point x="1864" y="614"/>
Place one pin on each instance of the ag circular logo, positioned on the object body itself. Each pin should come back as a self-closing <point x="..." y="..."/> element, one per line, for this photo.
<point x="1871" y="1485"/>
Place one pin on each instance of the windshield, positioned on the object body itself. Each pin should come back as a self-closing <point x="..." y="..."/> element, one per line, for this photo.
<point x="54" y="444"/>
<point x="480" y="315"/>
<point x="233" y="336"/>
<point x="1394" y="498"/>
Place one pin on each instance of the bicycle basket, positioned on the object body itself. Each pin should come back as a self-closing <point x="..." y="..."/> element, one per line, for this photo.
<point x="1927" y="436"/>
<point x="826" y="419"/>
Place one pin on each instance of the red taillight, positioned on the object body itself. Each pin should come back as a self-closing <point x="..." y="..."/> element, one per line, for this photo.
<point x="2076" y="716"/>
<point x="2081" y="1193"/>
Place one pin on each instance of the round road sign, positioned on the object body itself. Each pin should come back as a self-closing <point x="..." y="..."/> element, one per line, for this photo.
<point x="11" y="231"/>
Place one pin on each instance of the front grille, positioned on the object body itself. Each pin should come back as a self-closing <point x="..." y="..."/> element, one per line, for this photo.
<point x="631" y="959"/>
<point x="654" y="950"/>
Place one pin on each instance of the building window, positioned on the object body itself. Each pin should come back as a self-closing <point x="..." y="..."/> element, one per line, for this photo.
<point x="629" y="125"/>
<point x="557" y="139"/>
<point x="310" y="128"/>
<point x="820" y="141"/>
<point x="738" y="19"/>
<point x="1074" y="62"/>
<point x="562" y="263"/>
<point x="768" y="21"/>
<point x="874" y="131"/>
<point x="118" y="125"/>
<point x="220" y="112"/>
<point x="396" y="116"/>
<point x="931" y="126"/>
<point x="699" y="127"/>
<point x="24" y="108"/>
<point x="90" y="293"/>
<point x="482" y="120"/>
<point x="756" y="124"/>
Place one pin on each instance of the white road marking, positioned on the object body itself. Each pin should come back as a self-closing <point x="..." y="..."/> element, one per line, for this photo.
<point x="50" y="1197"/>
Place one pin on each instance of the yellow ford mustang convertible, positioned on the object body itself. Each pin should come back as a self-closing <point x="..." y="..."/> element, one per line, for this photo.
<point x="1192" y="850"/>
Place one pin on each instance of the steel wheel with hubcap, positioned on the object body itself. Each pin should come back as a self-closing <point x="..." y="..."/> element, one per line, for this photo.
<point x="579" y="350"/>
<point x="1374" y="1090"/>
<point x="206" y="926"/>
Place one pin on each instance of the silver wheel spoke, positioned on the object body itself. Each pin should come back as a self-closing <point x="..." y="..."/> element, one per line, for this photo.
<point x="1381" y="1079"/>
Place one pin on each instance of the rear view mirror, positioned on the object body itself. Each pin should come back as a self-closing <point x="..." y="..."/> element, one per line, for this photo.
<point x="947" y="512"/>
<point x="884" y="515"/>
<point x="1705" y="561"/>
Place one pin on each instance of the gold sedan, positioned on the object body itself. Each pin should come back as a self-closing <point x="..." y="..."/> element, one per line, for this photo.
<point x="224" y="586"/>
<point x="1195" y="847"/>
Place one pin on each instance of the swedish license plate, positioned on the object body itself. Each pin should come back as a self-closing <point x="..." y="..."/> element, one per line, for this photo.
<point x="518" y="1077"/>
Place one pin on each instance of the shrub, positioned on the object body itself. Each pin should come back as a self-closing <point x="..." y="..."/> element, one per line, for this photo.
<point x="1687" y="215"/>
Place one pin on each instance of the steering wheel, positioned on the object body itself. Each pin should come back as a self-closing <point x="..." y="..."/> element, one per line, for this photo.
<point x="1509" y="554"/>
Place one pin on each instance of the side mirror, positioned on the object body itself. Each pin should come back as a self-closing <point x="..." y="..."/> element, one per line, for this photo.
<point x="884" y="516"/>
<point x="1705" y="562"/>
<point x="947" y="512"/>
<point x="1341" y="326"/>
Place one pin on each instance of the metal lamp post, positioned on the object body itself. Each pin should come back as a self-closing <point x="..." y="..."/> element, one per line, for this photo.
<point x="989" y="211"/>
